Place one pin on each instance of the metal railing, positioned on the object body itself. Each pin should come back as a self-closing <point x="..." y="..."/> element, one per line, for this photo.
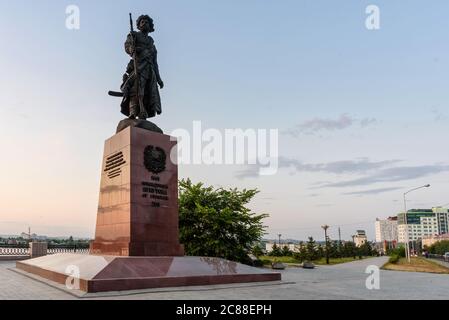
<point x="14" y="251"/>
<point x="67" y="249"/>
<point x="24" y="250"/>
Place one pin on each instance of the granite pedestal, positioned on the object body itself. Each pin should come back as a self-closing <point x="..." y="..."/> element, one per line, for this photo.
<point x="138" y="205"/>
<point x="110" y="273"/>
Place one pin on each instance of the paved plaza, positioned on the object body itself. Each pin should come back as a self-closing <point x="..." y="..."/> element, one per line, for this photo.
<point x="344" y="281"/>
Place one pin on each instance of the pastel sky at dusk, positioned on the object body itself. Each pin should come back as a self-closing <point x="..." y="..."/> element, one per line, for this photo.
<point x="362" y="115"/>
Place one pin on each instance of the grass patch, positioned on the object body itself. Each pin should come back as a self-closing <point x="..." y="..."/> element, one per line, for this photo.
<point x="267" y="260"/>
<point x="416" y="265"/>
<point x="336" y="260"/>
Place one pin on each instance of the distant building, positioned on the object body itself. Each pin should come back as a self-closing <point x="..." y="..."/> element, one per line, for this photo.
<point x="387" y="233"/>
<point x="428" y="241"/>
<point x="360" y="238"/>
<point x="420" y="223"/>
<point x="291" y="246"/>
<point x="33" y="236"/>
<point x="442" y="215"/>
<point x="25" y="235"/>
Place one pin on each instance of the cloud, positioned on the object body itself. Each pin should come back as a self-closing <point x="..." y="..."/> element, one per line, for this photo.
<point x="438" y="115"/>
<point x="373" y="171"/>
<point x="251" y="171"/>
<point x="317" y="125"/>
<point x="367" y="122"/>
<point x="361" y="165"/>
<point x="372" y="191"/>
<point x="357" y="166"/>
<point x="392" y="175"/>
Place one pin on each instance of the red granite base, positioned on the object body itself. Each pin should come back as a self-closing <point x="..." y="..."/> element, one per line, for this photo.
<point x="108" y="273"/>
<point x="138" y="204"/>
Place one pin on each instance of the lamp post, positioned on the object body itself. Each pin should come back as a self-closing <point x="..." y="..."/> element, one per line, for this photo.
<point x="407" y="245"/>
<point x="353" y="242"/>
<point x="325" y="227"/>
<point x="279" y="235"/>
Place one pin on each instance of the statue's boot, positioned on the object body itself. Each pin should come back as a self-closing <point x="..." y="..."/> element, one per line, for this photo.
<point x="143" y="115"/>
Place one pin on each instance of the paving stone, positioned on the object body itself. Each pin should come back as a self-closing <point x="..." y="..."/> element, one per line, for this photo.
<point x="344" y="281"/>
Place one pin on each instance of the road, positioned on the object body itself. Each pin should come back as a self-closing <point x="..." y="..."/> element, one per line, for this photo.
<point x="344" y="281"/>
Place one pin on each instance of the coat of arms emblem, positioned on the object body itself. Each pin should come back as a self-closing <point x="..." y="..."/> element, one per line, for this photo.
<point x="155" y="159"/>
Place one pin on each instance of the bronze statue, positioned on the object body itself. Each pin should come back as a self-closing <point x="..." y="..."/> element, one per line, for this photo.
<point x="140" y="90"/>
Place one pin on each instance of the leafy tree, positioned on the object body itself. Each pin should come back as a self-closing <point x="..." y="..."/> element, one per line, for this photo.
<point x="301" y="255"/>
<point x="321" y="249"/>
<point x="286" y="252"/>
<point x="440" y="247"/>
<point x="349" y="249"/>
<point x="334" y="249"/>
<point x="366" y="249"/>
<point x="275" y="251"/>
<point x="301" y="252"/>
<point x="399" y="251"/>
<point x="257" y="251"/>
<point x="312" y="250"/>
<point x="216" y="222"/>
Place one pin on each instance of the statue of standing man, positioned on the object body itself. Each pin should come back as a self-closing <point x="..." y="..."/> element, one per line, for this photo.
<point x="140" y="90"/>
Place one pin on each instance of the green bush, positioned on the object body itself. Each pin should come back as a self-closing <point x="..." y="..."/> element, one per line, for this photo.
<point x="394" y="259"/>
<point x="275" y="251"/>
<point x="440" y="247"/>
<point x="217" y="223"/>
<point x="285" y="251"/>
<point x="265" y="262"/>
<point x="257" y="251"/>
<point x="400" y="252"/>
<point x="300" y="256"/>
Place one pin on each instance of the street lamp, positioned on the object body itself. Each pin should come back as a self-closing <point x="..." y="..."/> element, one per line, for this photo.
<point x="325" y="227"/>
<point x="279" y="235"/>
<point x="407" y="245"/>
<point x="353" y="242"/>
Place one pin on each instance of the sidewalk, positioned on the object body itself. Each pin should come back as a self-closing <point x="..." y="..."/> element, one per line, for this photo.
<point x="343" y="281"/>
<point x="441" y="262"/>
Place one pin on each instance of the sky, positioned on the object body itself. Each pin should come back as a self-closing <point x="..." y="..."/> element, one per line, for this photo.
<point x="362" y="114"/>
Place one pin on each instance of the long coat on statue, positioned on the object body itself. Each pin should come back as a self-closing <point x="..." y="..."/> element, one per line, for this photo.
<point x="148" y="72"/>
